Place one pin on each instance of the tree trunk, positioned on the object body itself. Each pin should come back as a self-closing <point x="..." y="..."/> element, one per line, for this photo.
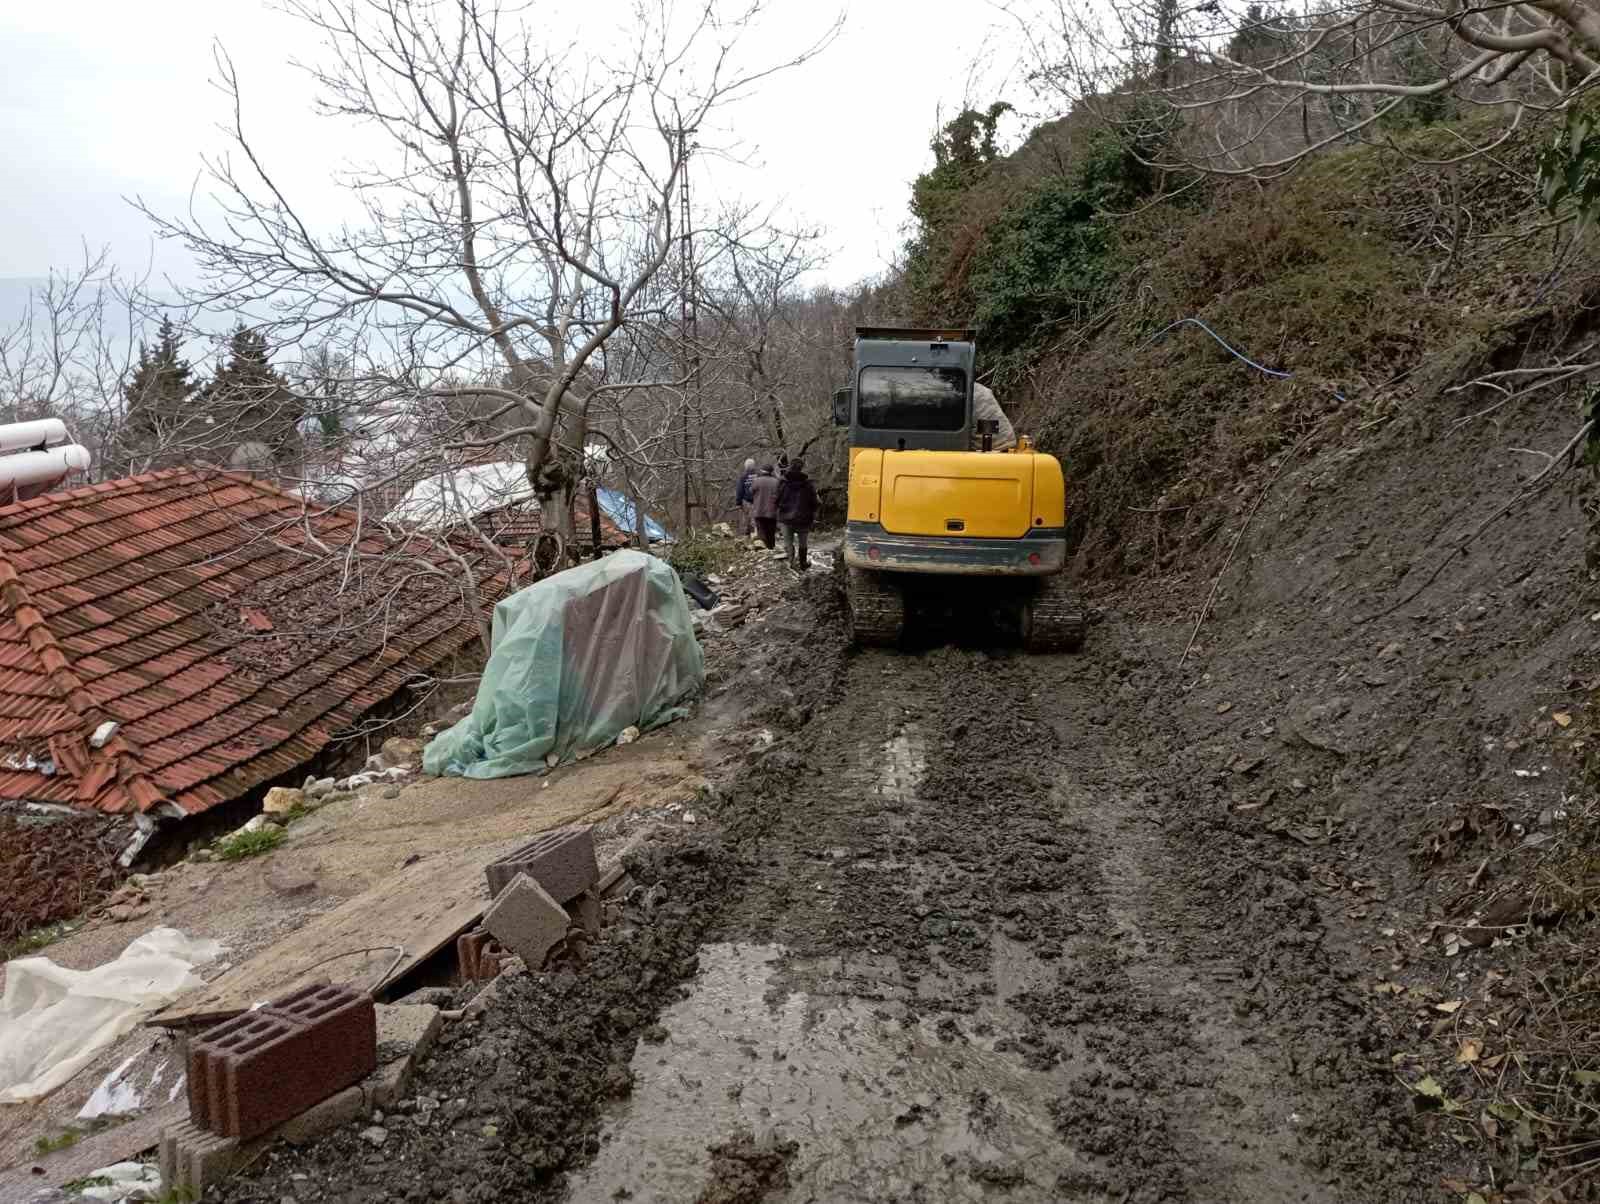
<point x="561" y="504"/>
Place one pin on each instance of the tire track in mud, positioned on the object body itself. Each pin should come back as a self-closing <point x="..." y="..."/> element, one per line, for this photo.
<point x="962" y="964"/>
<point x="968" y="931"/>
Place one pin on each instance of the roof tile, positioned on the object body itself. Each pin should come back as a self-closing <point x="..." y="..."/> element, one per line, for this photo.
<point x="189" y="606"/>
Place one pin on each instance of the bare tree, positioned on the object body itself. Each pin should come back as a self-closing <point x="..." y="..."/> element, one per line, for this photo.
<point x="1251" y="89"/>
<point x="756" y="307"/>
<point x="524" y="209"/>
<point x="70" y="350"/>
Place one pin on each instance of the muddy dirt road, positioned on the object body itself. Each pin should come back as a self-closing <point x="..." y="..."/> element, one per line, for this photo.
<point x="978" y="959"/>
<point x="955" y="934"/>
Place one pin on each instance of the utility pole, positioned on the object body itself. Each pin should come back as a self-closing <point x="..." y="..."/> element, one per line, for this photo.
<point x="688" y="322"/>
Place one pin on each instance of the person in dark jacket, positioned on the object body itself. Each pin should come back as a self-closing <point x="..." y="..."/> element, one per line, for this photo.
<point x="797" y="511"/>
<point x="742" y="499"/>
<point x="764" y="501"/>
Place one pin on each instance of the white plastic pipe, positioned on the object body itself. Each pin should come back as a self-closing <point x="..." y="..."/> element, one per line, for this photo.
<point x="18" y="435"/>
<point x="35" y="468"/>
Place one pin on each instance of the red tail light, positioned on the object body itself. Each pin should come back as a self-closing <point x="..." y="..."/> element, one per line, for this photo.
<point x="872" y="552"/>
<point x="1033" y="558"/>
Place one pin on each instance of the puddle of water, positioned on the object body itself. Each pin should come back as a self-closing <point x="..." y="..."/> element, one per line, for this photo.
<point x="880" y="1110"/>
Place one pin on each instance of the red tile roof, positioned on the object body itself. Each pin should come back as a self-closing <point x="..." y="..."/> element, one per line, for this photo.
<point x="194" y="609"/>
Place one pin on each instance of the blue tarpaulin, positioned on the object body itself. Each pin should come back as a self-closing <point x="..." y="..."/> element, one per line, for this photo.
<point x="619" y="510"/>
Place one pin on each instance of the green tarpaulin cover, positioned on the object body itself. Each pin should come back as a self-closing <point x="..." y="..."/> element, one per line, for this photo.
<point x="577" y="658"/>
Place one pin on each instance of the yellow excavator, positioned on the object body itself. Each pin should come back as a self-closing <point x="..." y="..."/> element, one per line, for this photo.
<point x="937" y="513"/>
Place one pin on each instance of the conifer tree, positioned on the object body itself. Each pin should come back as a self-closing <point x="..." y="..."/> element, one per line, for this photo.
<point x="160" y="398"/>
<point x="248" y="402"/>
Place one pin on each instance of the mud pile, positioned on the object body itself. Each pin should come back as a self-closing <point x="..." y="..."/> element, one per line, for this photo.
<point x="507" y="1105"/>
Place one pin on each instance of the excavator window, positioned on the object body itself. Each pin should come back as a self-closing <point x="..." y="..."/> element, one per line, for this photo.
<point x="905" y="398"/>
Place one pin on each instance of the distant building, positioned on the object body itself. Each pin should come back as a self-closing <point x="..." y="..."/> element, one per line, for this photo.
<point x="497" y="499"/>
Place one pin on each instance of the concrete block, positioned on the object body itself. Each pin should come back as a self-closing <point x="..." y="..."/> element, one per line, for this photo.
<point x="585" y="912"/>
<point x="325" y="1116"/>
<point x="193" y="1160"/>
<point x="561" y="861"/>
<point x="527" y="920"/>
<point x="415" y="1025"/>
<point x="387" y="1085"/>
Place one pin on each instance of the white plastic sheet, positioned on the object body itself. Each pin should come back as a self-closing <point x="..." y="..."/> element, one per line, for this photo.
<point x="124" y="1181"/>
<point x="53" y="1021"/>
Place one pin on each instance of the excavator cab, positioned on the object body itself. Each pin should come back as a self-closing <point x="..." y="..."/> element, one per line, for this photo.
<point x="934" y="505"/>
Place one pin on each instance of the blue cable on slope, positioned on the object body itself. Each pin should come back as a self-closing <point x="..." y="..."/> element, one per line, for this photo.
<point x="1223" y="343"/>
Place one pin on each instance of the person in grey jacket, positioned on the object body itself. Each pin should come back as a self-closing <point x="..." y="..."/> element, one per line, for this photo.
<point x="764" y="502"/>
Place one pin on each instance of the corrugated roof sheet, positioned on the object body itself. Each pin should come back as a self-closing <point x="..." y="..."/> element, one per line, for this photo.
<point x="196" y="610"/>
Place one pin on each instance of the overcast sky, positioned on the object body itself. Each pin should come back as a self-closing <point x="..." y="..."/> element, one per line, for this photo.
<point x="104" y="99"/>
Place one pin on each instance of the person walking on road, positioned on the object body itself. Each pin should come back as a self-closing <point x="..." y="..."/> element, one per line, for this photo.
<point x="797" y="511"/>
<point x="764" y="504"/>
<point x="741" y="499"/>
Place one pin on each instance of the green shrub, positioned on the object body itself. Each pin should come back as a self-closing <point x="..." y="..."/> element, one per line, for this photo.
<point x="703" y="555"/>
<point x="31" y="942"/>
<point x="66" y="1139"/>
<point x="249" y="844"/>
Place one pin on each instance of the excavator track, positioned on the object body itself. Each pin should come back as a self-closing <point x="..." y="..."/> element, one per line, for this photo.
<point x="876" y="607"/>
<point x="1053" y="618"/>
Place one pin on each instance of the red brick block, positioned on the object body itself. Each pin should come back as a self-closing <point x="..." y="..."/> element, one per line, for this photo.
<point x="561" y="861"/>
<point x="204" y="1086"/>
<point x="478" y="956"/>
<point x="261" y="1069"/>
<point x="470" y="949"/>
<point x="467" y="946"/>
<point x="491" y="959"/>
<point x="311" y="1004"/>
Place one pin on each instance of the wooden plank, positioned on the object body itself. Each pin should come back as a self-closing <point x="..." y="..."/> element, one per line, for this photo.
<point x="418" y="910"/>
<point x="120" y="1144"/>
